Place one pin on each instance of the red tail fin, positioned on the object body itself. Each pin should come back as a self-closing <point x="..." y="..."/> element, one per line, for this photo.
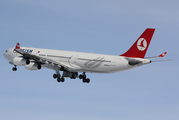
<point x="17" y="46"/>
<point x="139" y="48"/>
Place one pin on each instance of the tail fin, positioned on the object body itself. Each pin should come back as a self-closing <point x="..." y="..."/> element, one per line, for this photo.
<point x="17" y="46"/>
<point x="139" y="48"/>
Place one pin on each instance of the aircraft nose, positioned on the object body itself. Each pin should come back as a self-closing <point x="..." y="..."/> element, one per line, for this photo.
<point x="5" y="54"/>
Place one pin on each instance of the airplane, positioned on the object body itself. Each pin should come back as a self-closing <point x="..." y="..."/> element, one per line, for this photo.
<point x="72" y="63"/>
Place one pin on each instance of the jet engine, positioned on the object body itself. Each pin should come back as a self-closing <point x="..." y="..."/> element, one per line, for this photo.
<point x="20" y="61"/>
<point x="33" y="66"/>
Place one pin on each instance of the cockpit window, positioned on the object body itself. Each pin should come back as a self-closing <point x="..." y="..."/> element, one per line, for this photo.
<point x="6" y="50"/>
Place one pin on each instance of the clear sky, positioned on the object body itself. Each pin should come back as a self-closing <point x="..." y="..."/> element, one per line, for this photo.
<point x="149" y="92"/>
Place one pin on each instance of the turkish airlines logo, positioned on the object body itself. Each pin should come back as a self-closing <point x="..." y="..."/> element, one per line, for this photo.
<point x="142" y="44"/>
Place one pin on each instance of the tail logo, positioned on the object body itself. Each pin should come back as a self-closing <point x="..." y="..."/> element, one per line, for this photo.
<point x="17" y="46"/>
<point x="142" y="44"/>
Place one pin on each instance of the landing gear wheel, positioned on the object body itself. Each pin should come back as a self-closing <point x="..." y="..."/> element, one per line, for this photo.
<point x="74" y="75"/>
<point x="80" y="76"/>
<point x="58" y="80"/>
<point x="86" y="80"/>
<point x="55" y="76"/>
<point x="83" y="76"/>
<point x="14" y="69"/>
<point x="62" y="79"/>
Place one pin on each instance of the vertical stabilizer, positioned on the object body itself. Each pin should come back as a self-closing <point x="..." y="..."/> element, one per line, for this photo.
<point x="139" y="48"/>
<point x="17" y="46"/>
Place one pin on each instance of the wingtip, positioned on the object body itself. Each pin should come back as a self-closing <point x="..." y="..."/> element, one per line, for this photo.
<point x="163" y="54"/>
<point x="17" y="46"/>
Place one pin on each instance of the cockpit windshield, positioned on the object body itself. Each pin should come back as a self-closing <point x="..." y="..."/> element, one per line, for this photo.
<point x="6" y="50"/>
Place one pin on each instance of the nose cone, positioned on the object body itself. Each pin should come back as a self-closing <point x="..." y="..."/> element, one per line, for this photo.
<point x="5" y="54"/>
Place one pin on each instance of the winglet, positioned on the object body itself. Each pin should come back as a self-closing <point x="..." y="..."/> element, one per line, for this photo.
<point x="17" y="46"/>
<point x="162" y="55"/>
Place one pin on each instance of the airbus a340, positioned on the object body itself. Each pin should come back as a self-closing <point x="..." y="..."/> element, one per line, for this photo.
<point x="72" y="63"/>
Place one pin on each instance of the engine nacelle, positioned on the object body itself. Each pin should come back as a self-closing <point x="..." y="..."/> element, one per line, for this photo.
<point x="20" y="61"/>
<point x="33" y="66"/>
<point x="72" y="75"/>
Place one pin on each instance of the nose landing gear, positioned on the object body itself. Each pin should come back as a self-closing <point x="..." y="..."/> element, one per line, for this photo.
<point x="14" y="68"/>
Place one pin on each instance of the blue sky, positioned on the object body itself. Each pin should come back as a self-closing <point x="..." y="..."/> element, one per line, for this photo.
<point x="97" y="26"/>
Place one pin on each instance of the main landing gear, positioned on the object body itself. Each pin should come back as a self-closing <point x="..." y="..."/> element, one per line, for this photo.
<point x="83" y="76"/>
<point x="58" y="77"/>
<point x="14" y="68"/>
<point x="61" y="79"/>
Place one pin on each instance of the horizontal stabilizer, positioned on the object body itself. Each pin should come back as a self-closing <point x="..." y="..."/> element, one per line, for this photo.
<point x="162" y="55"/>
<point x="160" y="60"/>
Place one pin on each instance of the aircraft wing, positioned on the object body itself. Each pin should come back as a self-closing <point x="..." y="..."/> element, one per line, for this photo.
<point x="41" y="60"/>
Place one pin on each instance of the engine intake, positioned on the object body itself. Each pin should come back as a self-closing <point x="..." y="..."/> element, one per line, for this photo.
<point x="20" y="61"/>
<point x="33" y="66"/>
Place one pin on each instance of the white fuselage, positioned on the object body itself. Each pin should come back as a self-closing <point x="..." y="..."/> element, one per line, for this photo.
<point x="79" y="61"/>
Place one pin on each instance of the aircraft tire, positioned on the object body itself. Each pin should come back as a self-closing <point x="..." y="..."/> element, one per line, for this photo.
<point x="84" y="80"/>
<point x="54" y="76"/>
<point x="58" y="80"/>
<point x="14" y="69"/>
<point x="80" y="76"/>
<point x="62" y="79"/>
<point x="87" y="80"/>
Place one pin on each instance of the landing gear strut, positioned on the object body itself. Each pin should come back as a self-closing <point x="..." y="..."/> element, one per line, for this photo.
<point x="14" y="68"/>
<point x="83" y="76"/>
<point x="58" y="76"/>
